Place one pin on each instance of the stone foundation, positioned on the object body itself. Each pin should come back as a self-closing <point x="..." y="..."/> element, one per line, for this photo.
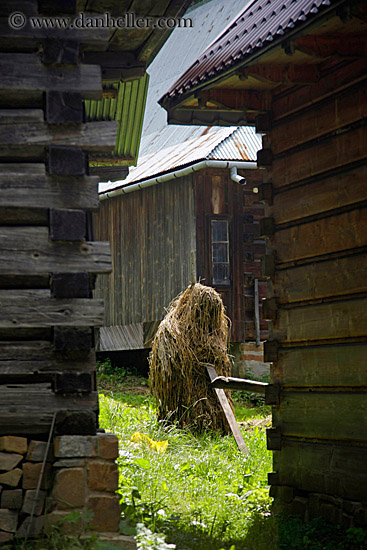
<point x="248" y="361"/>
<point x="307" y="506"/>
<point x="80" y="473"/>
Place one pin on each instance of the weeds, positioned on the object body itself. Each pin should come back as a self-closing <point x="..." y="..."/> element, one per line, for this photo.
<point x="202" y="492"/>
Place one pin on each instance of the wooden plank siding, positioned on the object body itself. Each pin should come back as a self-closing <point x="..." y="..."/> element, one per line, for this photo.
<point x="161" y="240"/>
<point x="218" y="197"/>
<point x="153" y="243"/>
<point x="318" y="291"/>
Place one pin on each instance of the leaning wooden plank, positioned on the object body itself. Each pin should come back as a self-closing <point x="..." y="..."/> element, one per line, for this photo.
<point x="222" y="398"/>
<point x="28" y="250"/>
<point x="27" y="185"/>
<point x="96" y="137"/>
<point x="326" y="321"/>
<point x="229" y="383"/>
<point x="23" y="77"/>
<point x="45" y="312"/>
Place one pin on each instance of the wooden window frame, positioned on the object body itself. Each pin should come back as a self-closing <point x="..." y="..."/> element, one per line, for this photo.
<point x="218" y="218"/>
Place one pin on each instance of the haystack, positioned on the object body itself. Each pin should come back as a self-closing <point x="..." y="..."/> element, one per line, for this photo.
<point x="193" y="334"/>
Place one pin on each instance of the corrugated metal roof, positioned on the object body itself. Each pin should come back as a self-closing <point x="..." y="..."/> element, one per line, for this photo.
<point x="260" y="23"/>
<point x="178" y="53"/>
<point x="229" y="143"/>
<point x="167" y="147"/>
<point x="128" y="109"/>
<point x="243" y="144"/>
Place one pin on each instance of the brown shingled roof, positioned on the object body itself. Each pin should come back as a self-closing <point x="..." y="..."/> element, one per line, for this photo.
<point x="261" y="23"/>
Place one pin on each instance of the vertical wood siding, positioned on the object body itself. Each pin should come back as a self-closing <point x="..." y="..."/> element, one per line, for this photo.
<point x="216" y="196"/>
<point x="153" y="240"/>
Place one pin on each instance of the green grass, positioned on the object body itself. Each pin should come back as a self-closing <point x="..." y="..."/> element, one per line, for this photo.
<point x="202" y="492"/>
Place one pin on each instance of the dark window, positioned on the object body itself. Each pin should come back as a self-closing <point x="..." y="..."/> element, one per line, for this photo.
<point x="220" y="252"/>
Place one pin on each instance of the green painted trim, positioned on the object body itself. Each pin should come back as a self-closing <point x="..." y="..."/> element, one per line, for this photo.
<point x="128" y="109"/>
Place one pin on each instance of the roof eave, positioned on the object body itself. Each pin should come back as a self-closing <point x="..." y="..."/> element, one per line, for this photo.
<point x="173" y="103"/>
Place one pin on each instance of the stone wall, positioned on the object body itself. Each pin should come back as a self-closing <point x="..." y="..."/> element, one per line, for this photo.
<point x="248" y="361"/>
<point x="336" y="510"/>
<point x="80" y="473"/>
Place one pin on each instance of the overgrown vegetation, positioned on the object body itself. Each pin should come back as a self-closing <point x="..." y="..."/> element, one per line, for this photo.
<point x="202" y="492"/>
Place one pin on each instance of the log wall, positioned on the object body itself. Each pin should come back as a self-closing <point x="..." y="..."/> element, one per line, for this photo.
<point x="48" y="259"/>
<point x="316" y="261"/>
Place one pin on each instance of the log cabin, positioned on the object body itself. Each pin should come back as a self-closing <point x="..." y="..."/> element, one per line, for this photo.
<point x="160" y="219"/>
<point x="48" y="258"/>
<point x="296" y="70"/>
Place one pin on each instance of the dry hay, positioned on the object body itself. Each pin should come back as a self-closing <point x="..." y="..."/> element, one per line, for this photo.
<point x="193" y="334"/>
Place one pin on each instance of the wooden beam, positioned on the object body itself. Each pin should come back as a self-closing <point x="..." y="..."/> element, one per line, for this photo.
<point x="60" y="51"/>
<point x="29" y="38"/>
<point x="235" y="99"/>
<point x="28" y="250"/>
<point x="23" y="77"/>
<point x="116" y="66"/>
<point x="67" y="161"/>
<point x="29" y="408"/>
<point x="64" y="107"/>
<point x="341" y="45"/>
<point x="285" y="73"/>
<point x="76" y="339"/>
<point x="312" y="322"/>
<point x="47" y="312"/>
<point x="70" y="285"/>
<point x="67" y="224"/>
<point x="230" y="383"/>
<point x="231" y="419"/>
<point x="96" y="137"/>
<point x="27" y="185"/>
<point x="336" y="79"/>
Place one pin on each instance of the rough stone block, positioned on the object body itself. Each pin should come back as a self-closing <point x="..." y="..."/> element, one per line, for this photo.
<point x="33" y="505"/>
<point x="107" y="446"/>
<point x="34" y="530"/>
<point x="58" y="517"/>
<point x="102" y="476"/>
<point x="9" y="461"/>
<point x="299" y="507"/>
<point x="36" y="452"/>
<point x="13" y="444"/>
<point x="5" y="537"/>
<point x="8" y="520"/>
<point x="329" y="512"/>
<point x="119" y="541"/>
<point x="106" y="513"/>
<point x="69" y="463"/>
<point x="72" y="446"/>
<point x="69" y="489"/>
<point x="12" y="499"/>
<point x="11" y="478"/>
<point x="31" y="474"/>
